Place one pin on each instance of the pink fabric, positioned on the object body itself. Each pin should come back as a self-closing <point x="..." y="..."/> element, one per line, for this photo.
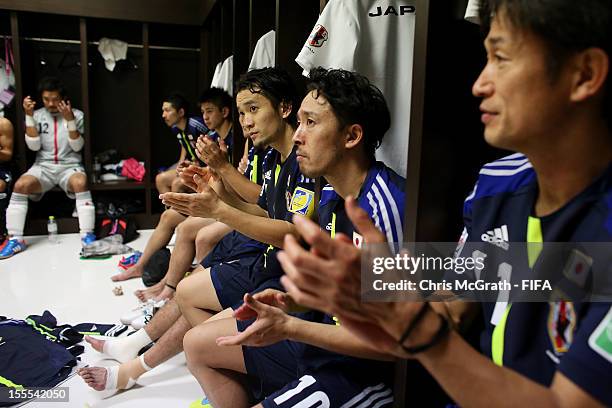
<point x="133" y="169"/>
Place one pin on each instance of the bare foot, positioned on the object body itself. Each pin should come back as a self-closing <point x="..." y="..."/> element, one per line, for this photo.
<point x="166" y="293"/>
<point x="133" y="272"/>
<point x="145" y="294"/>
<point x="95" y="377"/>
<point x="98" y="345"/>
<point x="121" y="377"/>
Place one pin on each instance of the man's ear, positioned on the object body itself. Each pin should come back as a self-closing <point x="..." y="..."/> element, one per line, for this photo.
<point x="286" y="108"/>
<point x="225" y="112"/>
<point x="590" y="73"/>
<point x="181" y="113"/>
<point x="353" y="135"/>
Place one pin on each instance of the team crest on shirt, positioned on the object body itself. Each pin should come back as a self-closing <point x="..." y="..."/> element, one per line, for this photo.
<point x="302" y="201"/>
<point x="561" y="325"/>
<point x="318" y="36"/>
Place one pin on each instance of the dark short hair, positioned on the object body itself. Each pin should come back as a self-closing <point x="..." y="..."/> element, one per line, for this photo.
<point x="565" y="27"/>
<point x="51" y="84"/>
<point x="178" y="102"/>
<point x="354" y="100"/>
<point x="276" y="85"/>
<point x="218" y="97"/>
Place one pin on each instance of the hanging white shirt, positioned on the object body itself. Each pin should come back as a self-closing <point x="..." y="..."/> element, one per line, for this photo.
<point x="112" y="51"/>
<point x="215" y="80"/>
<point x="377" y="40"/>
<point x="471" y="12"/>
<point x="263" y="54"/>
<point x="224" y="78"/>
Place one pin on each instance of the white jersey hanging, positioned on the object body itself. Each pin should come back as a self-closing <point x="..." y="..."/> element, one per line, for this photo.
<point x="471" y="12"/>
<point x="375" y="39"/>
<point x="225" y="79"/>
<point x="215" y="83"/>
<point x="263" y="54"/>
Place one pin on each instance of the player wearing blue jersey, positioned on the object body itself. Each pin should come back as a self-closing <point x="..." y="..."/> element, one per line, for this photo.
<point x="216" y="108"/>
<point x="175" y="111"/>
<point x="215" y="105"/>
<point x="545" y="93"/>
<point x="187" y="130"/>
<point x="310" y="358"/>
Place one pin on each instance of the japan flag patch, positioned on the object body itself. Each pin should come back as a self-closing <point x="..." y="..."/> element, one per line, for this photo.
<point x="357" y="240"/>
<point x="318" y="36"/>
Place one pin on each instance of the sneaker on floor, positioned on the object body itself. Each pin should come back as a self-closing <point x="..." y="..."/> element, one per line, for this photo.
<point x="88" y="238"/>
<point x="127" y="263"/>
<point x="12" y="247"/>
<point x="141" y="321"/>
<point x="201" y="403"/>
<point x="137" y="312"/>
<point x="147" y="313"/>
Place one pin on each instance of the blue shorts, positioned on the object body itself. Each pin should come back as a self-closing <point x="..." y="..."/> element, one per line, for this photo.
<point x="269" y="284"/>
<point x="329" y="387"/>
<point x="233" y="246"/>
<point x="273" y="283"/>
<point x="219" y="253"/>
<point x="231" y="280"/>
<point x="269" y="368"/>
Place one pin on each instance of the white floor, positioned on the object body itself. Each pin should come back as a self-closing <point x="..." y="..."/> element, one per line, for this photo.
<point x="52" y="277"/>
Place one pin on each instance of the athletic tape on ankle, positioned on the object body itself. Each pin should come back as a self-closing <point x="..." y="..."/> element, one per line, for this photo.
<point x="112" y="379"/>
<point x="142" y="362"/>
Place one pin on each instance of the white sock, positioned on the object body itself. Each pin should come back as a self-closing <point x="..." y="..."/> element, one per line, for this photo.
<point x="112" y="377"/>
<point x="126" y="348"/>
<point x="86" y="212"/>
<point x="16" y="215"/>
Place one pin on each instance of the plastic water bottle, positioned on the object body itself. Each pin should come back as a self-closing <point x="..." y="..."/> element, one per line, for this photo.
<point x="52" y="230"/>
